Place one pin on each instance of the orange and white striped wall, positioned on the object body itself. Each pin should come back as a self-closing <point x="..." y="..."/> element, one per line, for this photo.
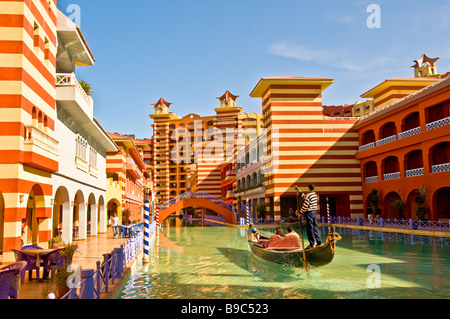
<point x="304" y="147"/>
<point x="27" y="116"/>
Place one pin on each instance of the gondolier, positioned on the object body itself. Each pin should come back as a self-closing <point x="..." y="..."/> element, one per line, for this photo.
<point x="309" y="210"/>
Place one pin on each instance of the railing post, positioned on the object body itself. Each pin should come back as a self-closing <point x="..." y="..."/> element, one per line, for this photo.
<point x="87" y="289"/>
<point x="381" y="221"/>
<point x="411" y="224"/>
<point x="113" y="266"/>
<point x="106" y="274"/>
<point x="119" y="261"/>
<point x="99" y="280"/>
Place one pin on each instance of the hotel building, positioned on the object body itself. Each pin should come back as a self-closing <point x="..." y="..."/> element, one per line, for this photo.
<point x="196" y="146"/>
<point x="303" y="147"/>
<point x="79" y="185"/>
<point x="30" y="156"/>
<point x="405" y="145"/>
<point x="126" y="168"/>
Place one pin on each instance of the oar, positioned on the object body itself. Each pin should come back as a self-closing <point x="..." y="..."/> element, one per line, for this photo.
<point x="301" y="229"/>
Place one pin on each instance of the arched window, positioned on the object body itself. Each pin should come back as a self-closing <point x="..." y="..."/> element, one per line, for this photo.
<point x="34" y="116"/>
<point x="411" y="121"/>
<point x="368" y="137"/>
<point x="391" y="168"/>
<point x="440" y="157"/>
<point x="387" y="130"/>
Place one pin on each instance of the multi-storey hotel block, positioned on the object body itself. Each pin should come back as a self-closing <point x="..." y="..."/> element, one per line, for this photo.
<point x="196" y="146"/>
<point x="53" y="151"/>
<point x="405" y="146"/>
<point x="128" y="177"/>
<point x="302" y="147"/>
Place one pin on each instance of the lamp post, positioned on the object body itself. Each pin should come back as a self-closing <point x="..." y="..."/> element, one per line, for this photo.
<point x="146" y="225"/>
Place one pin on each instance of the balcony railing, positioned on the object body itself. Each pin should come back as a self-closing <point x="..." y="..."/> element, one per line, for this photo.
<point x="371" y="179"/>
<point x="414" y="172"/>
<point x="68" y="79"/>
<point x="367" y="146"/>
<point x="408" y="133"/>
<point x="440" y="168"/>
<point x="438" y="123"/>
<point x="390" y="176"/>
<point x="386" y="140"/>
<point x="35" y="136"/>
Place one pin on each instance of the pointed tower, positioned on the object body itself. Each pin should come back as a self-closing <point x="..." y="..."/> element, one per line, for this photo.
<point x="161" y="150"/>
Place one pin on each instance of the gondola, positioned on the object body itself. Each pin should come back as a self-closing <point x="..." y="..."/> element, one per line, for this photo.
<point x="315" y="257"/>
<point x="293" y="223"/>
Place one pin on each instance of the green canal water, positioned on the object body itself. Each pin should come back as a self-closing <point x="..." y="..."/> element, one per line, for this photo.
<point x="198" y="262"/>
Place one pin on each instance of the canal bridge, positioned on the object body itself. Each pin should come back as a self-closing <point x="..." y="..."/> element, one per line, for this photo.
<point x="198" y="199"/>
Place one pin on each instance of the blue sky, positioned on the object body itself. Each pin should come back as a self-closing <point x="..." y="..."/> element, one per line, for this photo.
<point x="191" y="51"/>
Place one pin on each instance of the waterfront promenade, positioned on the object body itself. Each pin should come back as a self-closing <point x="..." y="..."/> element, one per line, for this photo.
<point x="89" y="252"/>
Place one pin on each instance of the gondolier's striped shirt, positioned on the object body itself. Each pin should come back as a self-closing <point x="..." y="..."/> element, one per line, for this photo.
<point x="310" y="202"/>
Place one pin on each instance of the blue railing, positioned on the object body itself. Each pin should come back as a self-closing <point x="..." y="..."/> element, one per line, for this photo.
<point x="95" y="282"/>
<point x="411" y="224"/>
<point x="189" y="195"/>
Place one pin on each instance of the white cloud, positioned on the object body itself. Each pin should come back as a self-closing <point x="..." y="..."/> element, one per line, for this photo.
<point x="342" y="59"/>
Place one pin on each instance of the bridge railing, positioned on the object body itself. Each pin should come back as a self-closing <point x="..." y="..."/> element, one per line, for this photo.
<point x="190" y="195"/>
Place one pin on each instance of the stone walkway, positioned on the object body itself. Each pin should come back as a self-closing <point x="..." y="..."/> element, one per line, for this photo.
<point x="89" y="252"/>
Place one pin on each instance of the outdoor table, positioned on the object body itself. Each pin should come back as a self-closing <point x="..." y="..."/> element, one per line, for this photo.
<point x="40" y="255"/>
<point x="128" y="229"/>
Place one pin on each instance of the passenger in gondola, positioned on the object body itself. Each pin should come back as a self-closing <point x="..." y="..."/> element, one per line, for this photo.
<point x="255" y="235"/>
<point x="249" y="231"/>
<point x="276" y="239"/>
<point x="293" y="239"/>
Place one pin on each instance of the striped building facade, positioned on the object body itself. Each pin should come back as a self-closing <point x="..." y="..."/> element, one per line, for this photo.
<point x="29" y="151"/>
<point x="303" y="147"/>
<point x="128" y="169"/>
<point x="198" y="145"/>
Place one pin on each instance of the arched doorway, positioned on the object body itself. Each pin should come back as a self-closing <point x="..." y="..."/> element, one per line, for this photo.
<point x="101" y="217"/>
<point x="91" y="215"/>
<point x="441" y="203"/>
<point x="61" y="217"/>
<point x="30" y="226"/>
<point x="390" y="210"/>
<point x="79" y="216"/>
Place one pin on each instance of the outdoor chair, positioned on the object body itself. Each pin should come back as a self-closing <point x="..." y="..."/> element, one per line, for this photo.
<point x="6" y="280"/>
<point x="122" y="231"/>
<point x="19" y="265"/>
<point x="31" y="264"/>
<point x="30" y="247"/>
<point x="52" y="262"/>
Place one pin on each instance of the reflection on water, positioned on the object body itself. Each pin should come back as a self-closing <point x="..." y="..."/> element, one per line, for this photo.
<point x="195" y="262"/>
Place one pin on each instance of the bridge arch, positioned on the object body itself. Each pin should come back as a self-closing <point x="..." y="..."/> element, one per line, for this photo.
<point x="198" y="199"/>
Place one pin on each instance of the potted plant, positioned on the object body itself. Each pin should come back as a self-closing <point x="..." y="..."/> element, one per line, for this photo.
<point x="261" y="209"/>
<point x="399" y="205"/>
<point x="58" y="282"/>
<point x="55" y="242"/>
<point x="421" y="210"/>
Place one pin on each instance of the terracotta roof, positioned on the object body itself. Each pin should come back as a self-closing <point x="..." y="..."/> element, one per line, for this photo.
<point x="264" y="82"/>
<point x="436" y="86"/>
<point x="228" y="95"/>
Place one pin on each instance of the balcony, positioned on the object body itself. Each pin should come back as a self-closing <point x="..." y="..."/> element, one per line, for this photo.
<point x="133" y="169"/>
<point x="414" y="172"/>
<point x="38" y="142"/>
<point x="391" y="176"/>
<point x="371" y="179"/>
<point x="409" y="133"/>
<point x="72" y="97"/>
<point x="386" y="140"/>
<point x="440" y="168"/>
<point x="367" y="146"/>
<point x="438" y="123"/>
